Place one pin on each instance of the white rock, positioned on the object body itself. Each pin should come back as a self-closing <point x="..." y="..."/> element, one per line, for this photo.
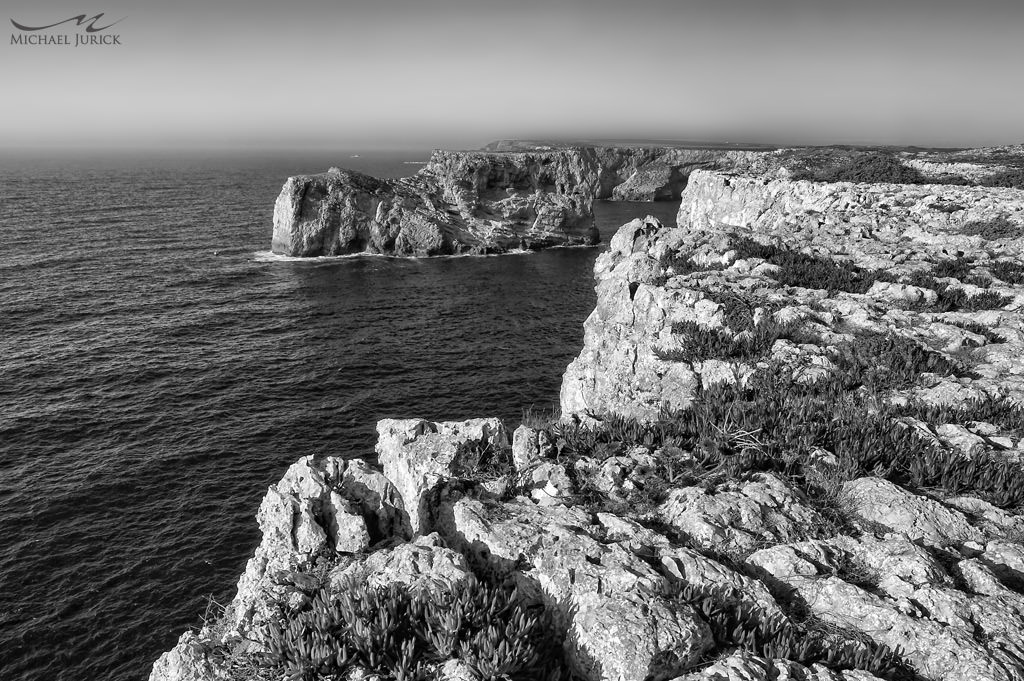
<point x="418" y="455"/>
<point x="914" y="516"/>
<point x="529" y="447"/>
<point x="422" y="564"/>
<point x="609" y="598"/>
<point x="740" y="516"/>
<point x="190" y="660"/>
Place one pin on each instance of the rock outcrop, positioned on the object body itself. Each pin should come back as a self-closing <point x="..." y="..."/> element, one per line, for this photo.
<point x="345" y="212"/>
<point x="480" y="202"/>
<point x="901" y="228"/>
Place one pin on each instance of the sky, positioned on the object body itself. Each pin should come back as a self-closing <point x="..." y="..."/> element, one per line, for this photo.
<point x="212" y="74"/>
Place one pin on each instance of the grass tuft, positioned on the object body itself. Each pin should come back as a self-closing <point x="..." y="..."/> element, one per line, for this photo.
<point x="401" y="635"/>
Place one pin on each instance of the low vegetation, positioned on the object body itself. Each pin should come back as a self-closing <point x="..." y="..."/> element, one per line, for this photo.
<point x="811" y="271"/>
<point x="775" y="423"/>
<point x="806" y="270"/>
<point x="739" y="623"/>
<point x="1013" y="178"/>
<point x="877" y="167"/>
<point x="1009" y="271"/>
<point x="398" y="634"/>
<point x="750" y="344"/>
<point x="986" y="332"/>
<point x="997" y="228"/>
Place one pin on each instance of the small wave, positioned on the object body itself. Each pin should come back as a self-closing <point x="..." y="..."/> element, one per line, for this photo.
<point x="270" y="256"/>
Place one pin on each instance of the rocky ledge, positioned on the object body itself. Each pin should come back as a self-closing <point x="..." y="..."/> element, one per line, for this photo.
<point x="791" y="448"/>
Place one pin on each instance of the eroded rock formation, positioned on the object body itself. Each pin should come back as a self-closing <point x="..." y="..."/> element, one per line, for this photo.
<point x="479" y="202"/>
<point x="344" y="212"/>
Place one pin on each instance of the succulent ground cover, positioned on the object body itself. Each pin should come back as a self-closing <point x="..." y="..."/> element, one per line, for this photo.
<point x="402" y="635"/>
<point x="812" y="271"/>
<point x="739" y="624"/>
<point x="877" y="166"/>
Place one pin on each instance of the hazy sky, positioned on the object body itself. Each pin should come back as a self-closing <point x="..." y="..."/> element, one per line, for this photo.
<point x="359" y="74"/>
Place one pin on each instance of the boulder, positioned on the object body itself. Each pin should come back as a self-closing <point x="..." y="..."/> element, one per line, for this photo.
<point x="740" y="516"/>
<point x="911" y="515"/>
<point x="191" y="659"/>
<point x="529" y="447"/>
<point x="321" y="510"/>
<point x="419" y="455"/>
<point x="424" y="563"/>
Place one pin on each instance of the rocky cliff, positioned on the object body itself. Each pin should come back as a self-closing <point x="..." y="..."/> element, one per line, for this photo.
<point x="479" y="202"/>
<point x="901" y="228"/>
<point x="477" y="207"/>
<point x="791" y="448"/>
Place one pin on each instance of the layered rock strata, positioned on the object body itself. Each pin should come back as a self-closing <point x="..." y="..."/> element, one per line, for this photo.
<point x="479" y="202"/>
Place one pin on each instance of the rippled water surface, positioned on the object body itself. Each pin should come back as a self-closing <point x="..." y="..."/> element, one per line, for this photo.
<point x="158" y="371"/>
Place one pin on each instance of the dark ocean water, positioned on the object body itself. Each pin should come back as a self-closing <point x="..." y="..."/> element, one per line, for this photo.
<point x="157" y="372"/>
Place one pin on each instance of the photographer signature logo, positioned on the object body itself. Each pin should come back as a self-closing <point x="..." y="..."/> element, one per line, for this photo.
<point x="91" y="34"/>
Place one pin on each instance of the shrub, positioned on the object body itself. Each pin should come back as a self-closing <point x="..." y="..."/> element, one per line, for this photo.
<point x="885" y="362"/>
<point x="752" y="344"/>
<point x="807" y="271"/>
<point x="953" y="299"/>
<point x="979" y="280"/>
<point x="738" y="308"/>
<point x="1001" y="412"/>
<point x="1013" y="178"/>
<point x="980" y="329"/>
<point x="957" y="268"/>
<point x="492" y="461"/>
<point x="876" y="167"/>
<point x="947" y="178"/>
<point x="774" y="423"/>
<point x="998" y="227"/>
<point x="397" y="634"/>
<point x="680" y="264"/>
<point x="950" y="299"/>
<point x="735" y="622"/>
<point x="812" y="271"/>
<point x="819" y="272"/>
<point x="1008" y="271"/>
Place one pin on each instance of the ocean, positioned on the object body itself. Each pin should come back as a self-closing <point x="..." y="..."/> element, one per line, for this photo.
<point x="159" y="369"/>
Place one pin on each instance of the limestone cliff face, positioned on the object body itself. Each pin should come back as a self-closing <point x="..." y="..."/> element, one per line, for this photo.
<point x="661" y="173"/>
<point x="480" y="202"/>
<point x="874" y="225"/>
